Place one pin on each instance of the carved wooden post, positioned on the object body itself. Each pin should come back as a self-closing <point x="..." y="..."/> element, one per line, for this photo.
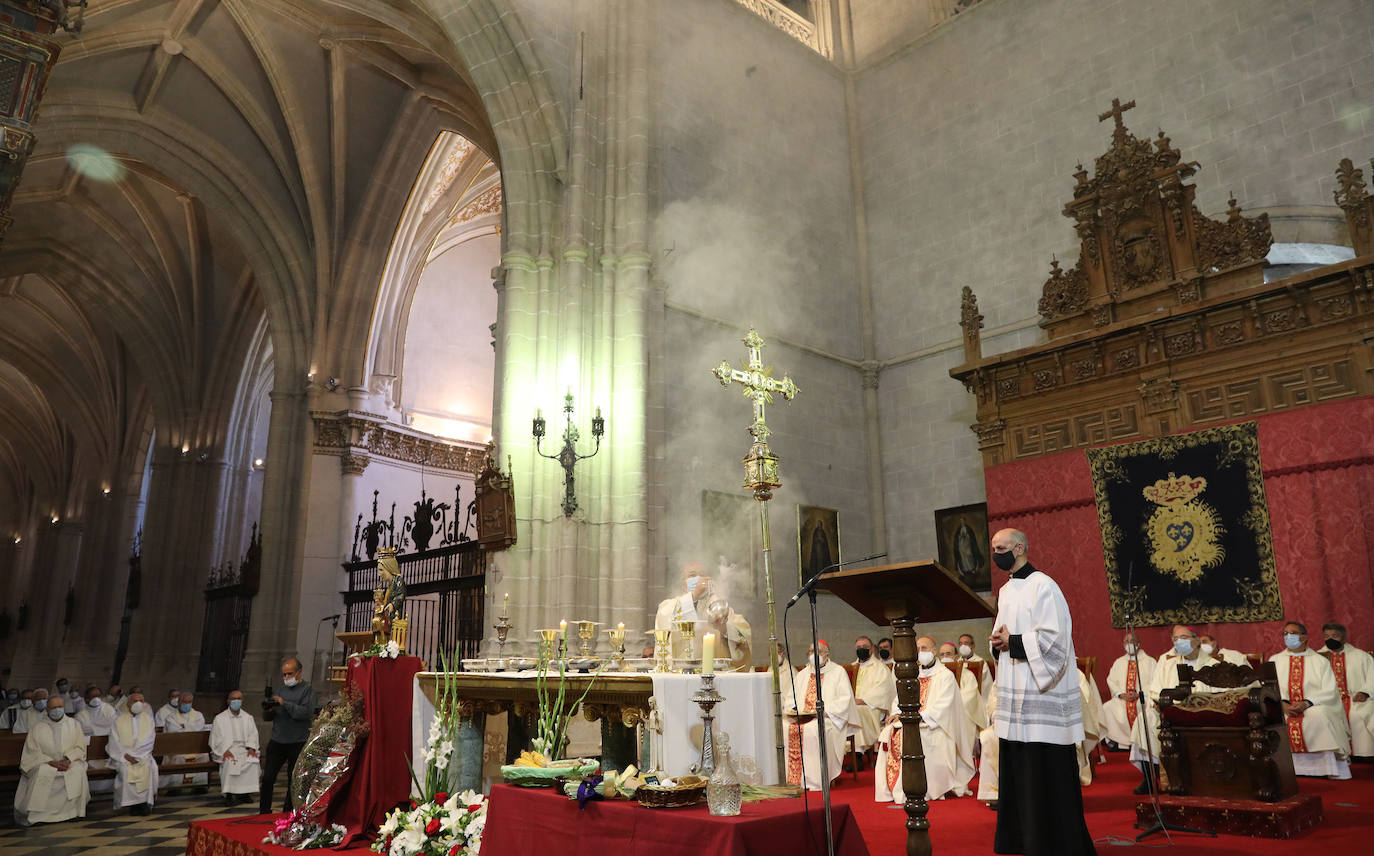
<point x="913" y="754"/>
<point x="1357" y="204"/>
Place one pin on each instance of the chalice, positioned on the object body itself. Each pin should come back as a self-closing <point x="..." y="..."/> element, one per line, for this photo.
<point x="688" y="631"/>
<point x="586" y="631"/>
<point x="617" y="637"/>
<point x="547" y="640"/>
<point x="663" y="642"/>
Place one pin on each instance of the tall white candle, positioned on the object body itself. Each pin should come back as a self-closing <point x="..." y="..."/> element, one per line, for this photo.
<point x="708" y="654"/>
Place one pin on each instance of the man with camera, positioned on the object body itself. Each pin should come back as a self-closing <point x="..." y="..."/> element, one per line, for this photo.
<point x="290" y="710"/>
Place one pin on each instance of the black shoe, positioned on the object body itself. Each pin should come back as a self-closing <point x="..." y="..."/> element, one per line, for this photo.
<point x="1143" y="788"/>
<point x="993" y="805"/>
<point x="229" y="801"/>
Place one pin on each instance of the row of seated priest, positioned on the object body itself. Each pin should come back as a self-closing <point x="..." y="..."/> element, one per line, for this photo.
<point x="1325" y="696"/>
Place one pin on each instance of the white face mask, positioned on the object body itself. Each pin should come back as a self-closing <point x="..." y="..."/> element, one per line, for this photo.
<point x="692" y="583"/>
<point x="136" y="708"/>
<point x="946" y="658"/>
<point x="927" y="658"/>
<point x="93" y="703"/>
<point x="965" y="651"/>
<point x="1207" y="648"/>
<point x="291" y="682"/>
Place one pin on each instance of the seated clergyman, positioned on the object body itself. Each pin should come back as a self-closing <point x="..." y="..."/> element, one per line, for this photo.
<point x="1145" y="732"/>
<point x="234" y="744"/>
<point x="1354" y="670"/>
<point x="130" y="748"/>
<point x="1318" y="733"/>
<point x="52" y="784"/>
<point x="947" y="736"/>
<point x="1210" y="645"/>
<point x="799" y="719"/>
<point x="185" y="718"/>
<point x="875" y="693"/>
<point x="1129" y="677"/>
<point x="969" y="687"/>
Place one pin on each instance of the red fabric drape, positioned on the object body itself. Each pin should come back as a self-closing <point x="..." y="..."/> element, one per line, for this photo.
<point x="381" y="774"/>
<point x="1318" y="464"/>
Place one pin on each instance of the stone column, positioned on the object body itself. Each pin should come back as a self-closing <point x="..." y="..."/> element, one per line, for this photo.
<point x="102" y="574"/>
<point x="59" y="549"/>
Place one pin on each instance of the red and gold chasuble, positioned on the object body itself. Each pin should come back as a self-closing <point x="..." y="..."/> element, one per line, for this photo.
<point x="894" y="749"/>
<point x="794" y="736"/>
<point x="1295" y="670"/>
<point x="1132" y="693"/>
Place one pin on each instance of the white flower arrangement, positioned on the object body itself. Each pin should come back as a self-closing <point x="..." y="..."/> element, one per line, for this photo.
<point x="389" y="651"/>
<point x="444" y="825"/>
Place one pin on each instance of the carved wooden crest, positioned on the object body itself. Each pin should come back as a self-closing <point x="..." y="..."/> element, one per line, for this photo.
<point x="495" y="506"/>
<point x="1143" y="242"/>
<point x="1357" y="204"/>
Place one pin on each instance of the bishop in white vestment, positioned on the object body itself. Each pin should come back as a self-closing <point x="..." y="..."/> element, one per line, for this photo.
<point x="1354" y="671"/>
<point x="1129" y="676"/>
<point x="185" y="718"/>
<point x="946" y="736"/>
<point x="875" y="694"/>
<point x="131" y="755"/>
<point x="234" y="744"/>
<point x="702" y="604"/>
<point x="799" y="721"/>
<point x="1317" y="732"/>
<point x="52" y="783"/>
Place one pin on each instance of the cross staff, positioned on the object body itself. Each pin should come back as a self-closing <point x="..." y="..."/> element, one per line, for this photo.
<point x="761" y="476"/>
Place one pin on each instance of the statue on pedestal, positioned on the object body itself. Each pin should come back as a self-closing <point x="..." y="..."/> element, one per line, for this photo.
<point x="389" y="601"/>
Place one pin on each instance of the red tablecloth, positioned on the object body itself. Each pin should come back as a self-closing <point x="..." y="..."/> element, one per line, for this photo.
<point x="381" y="773"/>
<point x="242" y="836"/>
<point x="523" y="821"/>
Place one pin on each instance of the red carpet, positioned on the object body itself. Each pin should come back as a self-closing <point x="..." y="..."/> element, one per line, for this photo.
<point x="964" y="827"/>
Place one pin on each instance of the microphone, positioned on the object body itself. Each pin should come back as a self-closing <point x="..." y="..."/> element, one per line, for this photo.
<point x="811" y="583"/>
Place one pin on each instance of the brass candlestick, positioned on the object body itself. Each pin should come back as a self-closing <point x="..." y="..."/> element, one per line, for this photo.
<point x="707" y="698"/>
<point x="663" y="642"/>
<point x="586" y="631"/>
<point x="617" y="637"/>
<point x="688" y="631"/>
<point x="502" y="627"/>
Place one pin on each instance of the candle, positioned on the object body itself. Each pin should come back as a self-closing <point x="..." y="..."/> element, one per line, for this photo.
<point x="708" y="653"/>
<point x="621" y="628"/>
<point x="505" y="608"/>
<point x="563" y="628"/>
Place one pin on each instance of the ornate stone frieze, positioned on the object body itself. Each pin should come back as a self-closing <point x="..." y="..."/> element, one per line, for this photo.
<point x="786" y="20"/>
<point x="354" y="434"/>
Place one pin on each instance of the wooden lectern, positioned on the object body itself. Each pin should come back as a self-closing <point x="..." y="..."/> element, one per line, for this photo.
<point x="901" y="595"/>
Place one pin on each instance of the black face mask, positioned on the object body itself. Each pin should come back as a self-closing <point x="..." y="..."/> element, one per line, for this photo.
<point x="1004" y="560"/>
<point x="863" y="654"/>
<point x="1334" y="644"/>
<point x="884" y="654"/>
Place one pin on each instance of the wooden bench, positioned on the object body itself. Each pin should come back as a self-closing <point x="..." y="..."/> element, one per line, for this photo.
<point x="164" y="745"/>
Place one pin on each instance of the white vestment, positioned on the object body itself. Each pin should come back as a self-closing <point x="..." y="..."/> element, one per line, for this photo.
<point x="1037" y="698"/>
<point x="235" y="734"/>
<point x="876" y="687"/>
<point x="24" y="720"/>
<point x="175" y="724"/>
<point x="947" y="738"/>
<point x="1230" y="655"/>
<point x="985" y="681"/>
<point x="1165" y="678"/>
<point x="801" y="737"/>
<point x="1320" y="738"/>
<point x="734" y="643"/>
<point x="160" y="717"/>
<point x="1118" y="716"/>
<point x="988" y="755"/>
<point x="972" y="696"/>
<point x="136" y="780"/>
<point x="1356" y="667"/>
<point x="97" y="722"/>
<point x="1092" y="727"/>
<point x="46" y="794"/>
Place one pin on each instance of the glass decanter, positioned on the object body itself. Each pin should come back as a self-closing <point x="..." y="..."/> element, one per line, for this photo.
<point x="723" y="790"/>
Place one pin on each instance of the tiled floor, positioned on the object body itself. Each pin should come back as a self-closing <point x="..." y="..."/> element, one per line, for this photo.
<point x="103" y="831"/>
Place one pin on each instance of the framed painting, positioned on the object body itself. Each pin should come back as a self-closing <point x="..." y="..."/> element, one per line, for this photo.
<point x="730" y="540"/>
<point x="818" y="540"/>
<point x="962" y="535"/>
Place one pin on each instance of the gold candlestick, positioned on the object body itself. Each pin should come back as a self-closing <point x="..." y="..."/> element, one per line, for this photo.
<point x="688" y="631"/>
<point x="586" y="631"/>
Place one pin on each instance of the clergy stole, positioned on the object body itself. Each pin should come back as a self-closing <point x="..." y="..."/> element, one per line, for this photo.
<point x="1338" y="666"/>
<point x="894" y="751"/>
<point x="794" y="735"/>
<point x="1132" y="693"/>
<point x="1295" y="696"/>
<point x="133" y="730"/>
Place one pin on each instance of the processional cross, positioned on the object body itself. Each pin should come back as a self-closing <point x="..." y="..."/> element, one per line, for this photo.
<point x="761" y="477"/>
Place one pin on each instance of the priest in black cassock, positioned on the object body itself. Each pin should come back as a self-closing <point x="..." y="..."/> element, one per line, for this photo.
<point x="1039" y="711"/>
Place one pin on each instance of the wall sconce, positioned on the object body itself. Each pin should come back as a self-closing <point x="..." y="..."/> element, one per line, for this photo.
<point x="568" y="456"/>
<point x="331" y="384"/>
<point x="55" y="518"/>
<point x="105" y="491"/>
<point x="185" y="449"/>
<point x="17" y="539"/>
<point x="259" y="463"/>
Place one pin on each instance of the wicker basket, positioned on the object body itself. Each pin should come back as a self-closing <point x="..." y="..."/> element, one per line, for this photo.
<point x="689" y="790"/>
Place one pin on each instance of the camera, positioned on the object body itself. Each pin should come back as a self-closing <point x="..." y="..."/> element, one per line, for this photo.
<point x="269" y="705"/>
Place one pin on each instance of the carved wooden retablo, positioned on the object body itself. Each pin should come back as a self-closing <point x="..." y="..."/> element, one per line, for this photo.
<point x="1165" y="322"/>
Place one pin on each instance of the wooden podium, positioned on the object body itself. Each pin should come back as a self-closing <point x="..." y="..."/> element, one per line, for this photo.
<point x="902" y="595"/>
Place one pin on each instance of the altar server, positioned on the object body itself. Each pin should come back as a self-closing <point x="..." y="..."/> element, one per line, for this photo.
<point x="946" y="736"/>
<point x="234" y="744"/>
<point x="1039" y="710"/>
<point x="1129" y="676"/>
<point x="969" y="689"/>
<point x="985" y="678"/>
<point x="800" y="720"/>
<point x="1145" y="731"/>
<point x="875" y="693"/>
<point x="1317" y="732"/>
<point x="131" y="755"/>
<point x="52" y="783"/>
<point x="1354" y="671"/>
<point x="1211" y="646"/>
<point x="185" y="718"/>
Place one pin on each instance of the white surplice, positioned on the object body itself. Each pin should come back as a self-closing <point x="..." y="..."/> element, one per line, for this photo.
<point x="876" y="687"/>
<point x="176" y="723"/>
<point x="24" y="720"/>
<point x="46" y="794"/>
<point x="136" y="780"/>
<point x="1357" y="667"/>
<point x="1117" y="719"/>
<point x="1146" y="731"/>
<point x="235" y="734"/>
<point x="801" y="737"/>
<point x="1037" y="698"/>
<point x="1320" y="738"/>
<point x="947" y="737"/>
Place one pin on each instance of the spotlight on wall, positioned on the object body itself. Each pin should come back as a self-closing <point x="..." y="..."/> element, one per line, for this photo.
<point x="55" y="518"/>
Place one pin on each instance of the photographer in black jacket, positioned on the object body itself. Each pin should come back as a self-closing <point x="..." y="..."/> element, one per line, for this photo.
<point x="290" y="710"/>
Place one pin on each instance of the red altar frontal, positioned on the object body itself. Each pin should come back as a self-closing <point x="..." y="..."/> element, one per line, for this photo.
<point x="521" y="822"/>
<point x="242" y="836"/>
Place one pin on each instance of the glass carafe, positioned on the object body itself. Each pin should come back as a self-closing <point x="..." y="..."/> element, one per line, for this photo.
<point x="723" y="790"/>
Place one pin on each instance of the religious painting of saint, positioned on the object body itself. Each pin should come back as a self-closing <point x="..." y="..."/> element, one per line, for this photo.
<point x="962" y="534"/>
<point x="818" y="540"/>
<point x="730" y="541"/>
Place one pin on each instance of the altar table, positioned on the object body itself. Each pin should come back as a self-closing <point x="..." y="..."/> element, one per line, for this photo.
<point x="521" y="821"/>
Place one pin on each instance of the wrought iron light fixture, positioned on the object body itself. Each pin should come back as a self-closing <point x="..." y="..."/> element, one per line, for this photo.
<point x="568" y="456"/>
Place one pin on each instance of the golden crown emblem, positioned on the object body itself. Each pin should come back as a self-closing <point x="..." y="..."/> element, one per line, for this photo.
<point x="1175" y="489"/>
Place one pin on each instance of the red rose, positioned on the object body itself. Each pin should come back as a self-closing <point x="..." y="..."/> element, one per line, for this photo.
<point x="456" y="850"/>
<point x="414" y="805"/>
<point x="441" y="797"/>
<point x="432" y="827"/>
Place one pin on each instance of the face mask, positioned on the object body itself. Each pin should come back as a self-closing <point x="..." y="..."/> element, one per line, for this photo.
<point x="926" y="658"/>
<point x="1183" y="646"/>
<point x="235" y="704"/>
<point x="1004" y="560"/>
<point x="1292" y="640"/>
<point x="692" y="583"/>
<point x="93" y="703"/>
<point x="291" y="682"/>
<point x="136" y="708"/>
<point x="63" y="687"/>
<point x="965" y="651"/>
<point x="863" y="654"/>
<point x="56" y="714"/>
<point x="40" y="704"/>
<point x="184" y="708"/>
<point x="13" y="697"/>
<point x="25" y="704"/>
<point x="1131" y="648"/>
<point x="1207" y="648"/>
<point x="884" y="654"/>
<point x="947" y="658"/>
<point x="1334" y="644"/>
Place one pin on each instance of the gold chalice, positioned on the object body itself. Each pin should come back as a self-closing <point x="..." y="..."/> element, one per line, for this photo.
<point x="617" y="637"/>
<point x="663" y="642"/>
<point x="688" y="631"/>
<point x="586" y="631"/>
<point x="547" y="640"/>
